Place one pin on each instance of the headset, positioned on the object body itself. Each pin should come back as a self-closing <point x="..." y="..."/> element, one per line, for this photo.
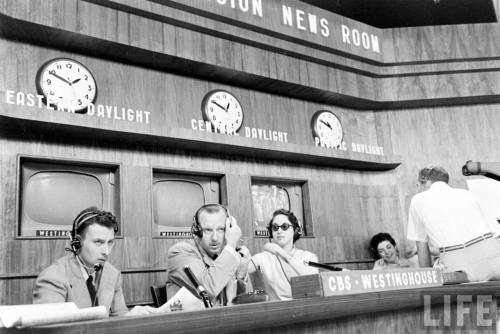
<point x="196" y="229"/>
<point x="82" y="218"/>
<point x="297" y="229"/>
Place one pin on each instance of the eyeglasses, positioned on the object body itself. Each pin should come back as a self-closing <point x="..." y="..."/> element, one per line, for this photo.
<point x="284" y="227"/>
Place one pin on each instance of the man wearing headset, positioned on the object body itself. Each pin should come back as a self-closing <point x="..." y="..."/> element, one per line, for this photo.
<point x="211" y="256"/>
<point x="84" y="277"/>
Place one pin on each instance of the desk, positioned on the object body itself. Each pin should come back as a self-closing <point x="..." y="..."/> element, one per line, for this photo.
<point x="379" y="312"/>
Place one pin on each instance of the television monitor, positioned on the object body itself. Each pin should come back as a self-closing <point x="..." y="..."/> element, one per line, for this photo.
<point x="176" y="197"/>
<point x="269" y="196"/>
<point x="52" y="194"/>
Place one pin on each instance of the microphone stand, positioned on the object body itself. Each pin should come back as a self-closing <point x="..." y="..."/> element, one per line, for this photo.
<point x="199" y="288"/>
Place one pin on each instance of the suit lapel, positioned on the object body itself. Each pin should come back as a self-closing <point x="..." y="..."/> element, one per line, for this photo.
<point x="80" y="294"/>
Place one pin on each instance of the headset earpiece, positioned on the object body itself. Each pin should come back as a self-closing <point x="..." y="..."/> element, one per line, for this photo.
<point x="297" y="233"/>
<point x="76" y="243"/>
<point x="76" y="240"/>
<point x="196" y="228"/>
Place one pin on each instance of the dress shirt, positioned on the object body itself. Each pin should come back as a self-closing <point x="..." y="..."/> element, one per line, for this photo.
<point x="445" y="216"/>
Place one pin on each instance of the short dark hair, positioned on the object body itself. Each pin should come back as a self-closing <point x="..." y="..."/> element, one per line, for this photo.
<point x="99" y="217"/>
<point x="433" y="174"/>
<point x="378" y="238"/>
<point x="291" y="218"/>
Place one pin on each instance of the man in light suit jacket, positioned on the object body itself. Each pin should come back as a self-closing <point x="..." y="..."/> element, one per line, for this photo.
<point x="212" y="257"/>
<point x="84" y="277"/>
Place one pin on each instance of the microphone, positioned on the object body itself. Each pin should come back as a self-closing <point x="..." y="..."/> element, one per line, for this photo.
<point x="199" y="288"/>
<point x="323" y="266"/>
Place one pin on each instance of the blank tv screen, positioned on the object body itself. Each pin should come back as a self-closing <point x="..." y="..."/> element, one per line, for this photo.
<point x="176" y="197"/>
<point x="47" y="194"/>
<point x="175" y="202"/>
<point x="53" y="194"/>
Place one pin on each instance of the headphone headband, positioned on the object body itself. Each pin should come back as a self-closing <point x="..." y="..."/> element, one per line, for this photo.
<point x="79" y="220"/>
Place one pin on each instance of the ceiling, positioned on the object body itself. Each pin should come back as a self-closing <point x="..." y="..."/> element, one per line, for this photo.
<point x="411" y="13"/>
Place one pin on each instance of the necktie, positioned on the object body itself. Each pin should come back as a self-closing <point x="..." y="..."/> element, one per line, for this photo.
<point x="92" y="292"/>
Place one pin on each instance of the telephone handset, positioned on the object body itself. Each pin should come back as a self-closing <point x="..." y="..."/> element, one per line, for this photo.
<point x="228" y="217"/>
<point x="241" y="242"/>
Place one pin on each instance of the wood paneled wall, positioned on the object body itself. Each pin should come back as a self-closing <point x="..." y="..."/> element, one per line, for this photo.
<point x="450" y="69"/>
<point x="339" y="222"/>
<point x="163" y="58"/>
<point x="441" y="136"/>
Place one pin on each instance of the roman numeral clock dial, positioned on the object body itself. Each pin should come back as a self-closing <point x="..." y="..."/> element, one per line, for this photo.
<point x="223" y="110"/>
<point x="66" y="85"/>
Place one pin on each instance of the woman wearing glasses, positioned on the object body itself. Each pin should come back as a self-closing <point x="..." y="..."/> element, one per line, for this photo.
<point x="280" y="259"/>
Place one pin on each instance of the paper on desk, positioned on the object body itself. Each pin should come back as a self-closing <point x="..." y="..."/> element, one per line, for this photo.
<point x="44" y="314"/>
<point x="183" y="300"/>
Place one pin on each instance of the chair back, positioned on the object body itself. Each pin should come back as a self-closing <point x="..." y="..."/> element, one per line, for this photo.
<point x="159" y="294"/>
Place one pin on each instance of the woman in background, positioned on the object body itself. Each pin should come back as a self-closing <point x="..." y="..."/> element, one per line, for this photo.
<point x="384" y="250"/>
<point x="280" y="259"/>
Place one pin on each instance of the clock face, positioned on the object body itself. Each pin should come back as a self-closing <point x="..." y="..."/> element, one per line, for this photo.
<point x="327" y="128"/>
<point x="223" y="110"/>
<point x="66" y="84"/>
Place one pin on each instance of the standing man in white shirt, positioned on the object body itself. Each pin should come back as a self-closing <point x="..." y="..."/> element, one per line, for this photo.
<point x="452" y="220"/>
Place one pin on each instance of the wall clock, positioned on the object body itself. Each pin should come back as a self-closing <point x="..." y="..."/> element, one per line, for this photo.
<point x="327" y="128"/>
<point x="66" y="85"/>
<point x="223" y="110"/>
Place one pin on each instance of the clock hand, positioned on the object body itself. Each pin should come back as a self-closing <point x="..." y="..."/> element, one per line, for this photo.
<point x="218" y="105"/>
<point x="75" y="81"/>
<point x="228" y="106"/>
<point x="326" y="123"/>
<point x="61" y="78"/>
